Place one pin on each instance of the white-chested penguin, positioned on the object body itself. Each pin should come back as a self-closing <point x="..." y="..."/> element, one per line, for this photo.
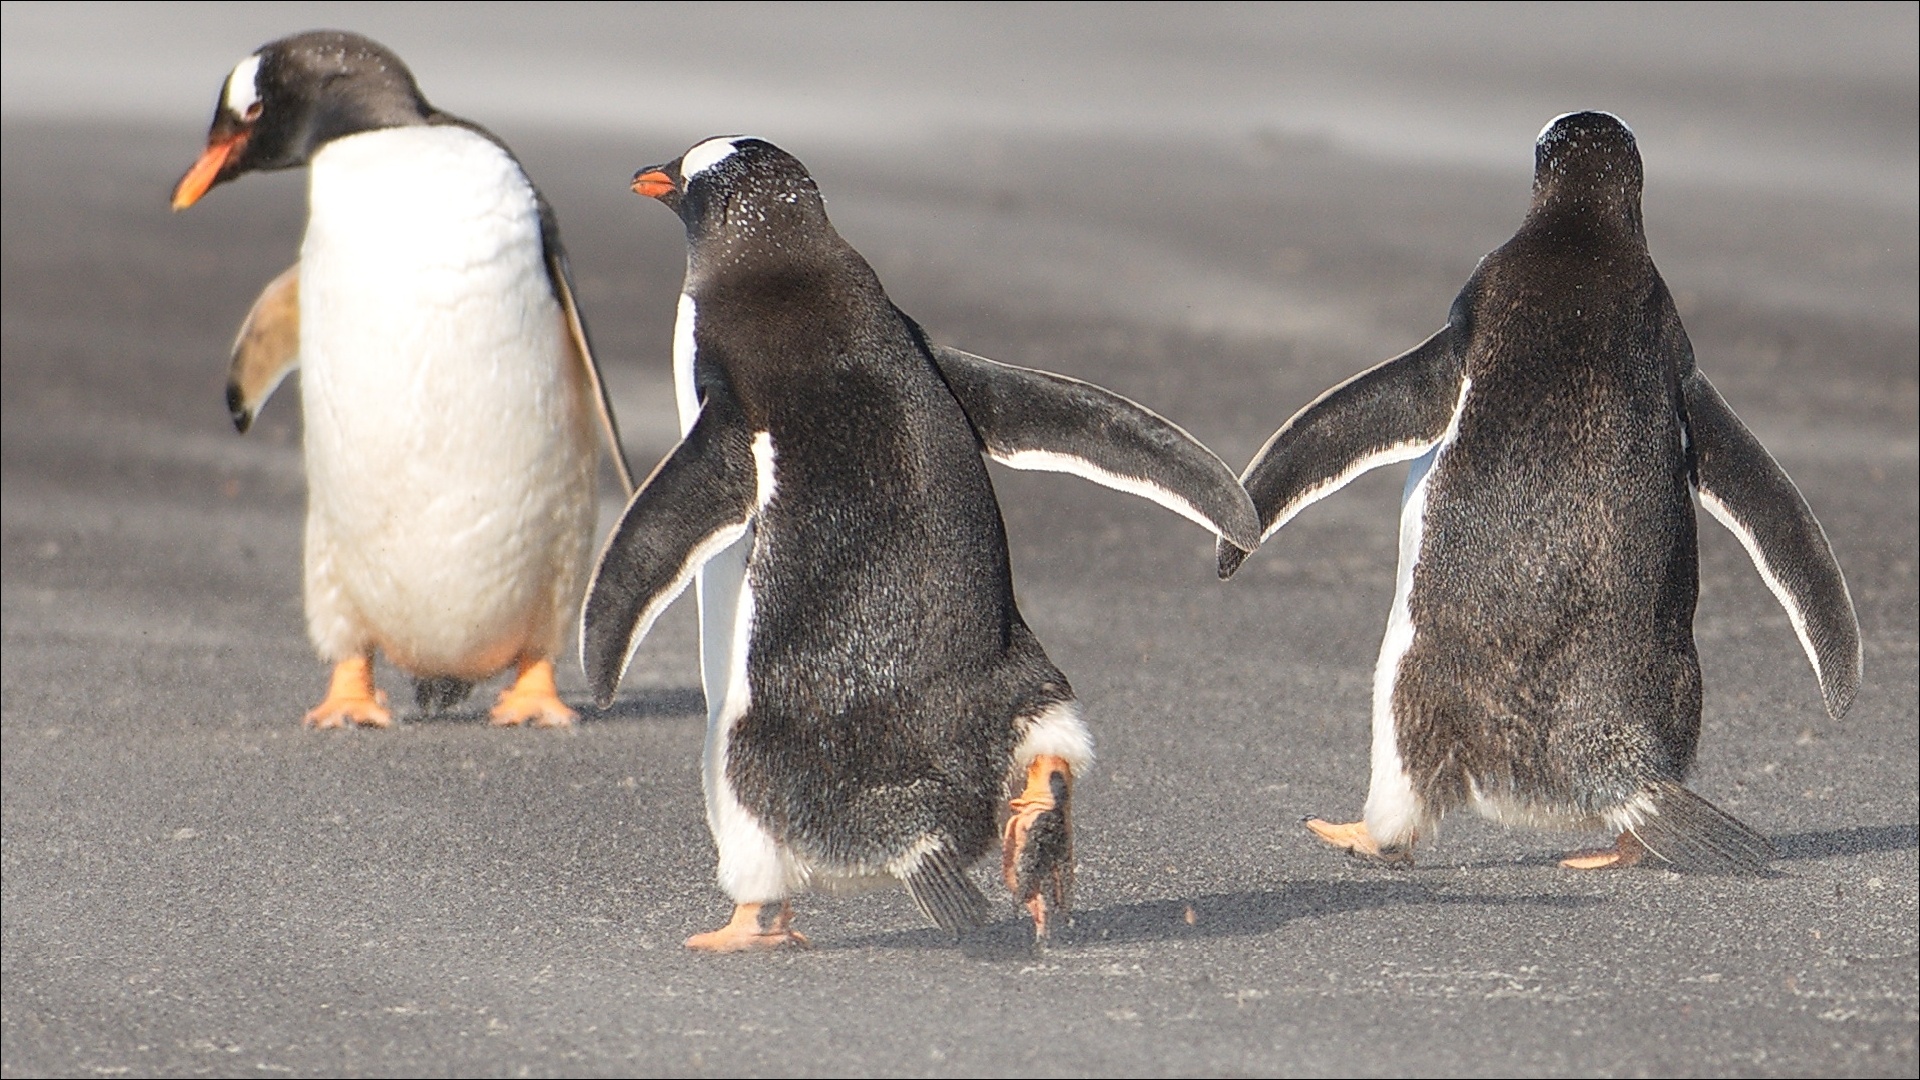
<point x="450" y="397"/>
<point x="884" y="707"/>
<point x="1539" y="661"/>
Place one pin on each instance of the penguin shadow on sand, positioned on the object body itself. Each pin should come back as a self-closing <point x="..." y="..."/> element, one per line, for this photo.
<point x="1210" y="915"/>
<point x="1786" y="847"/>
<point x="651" y="703"/>
<point x="645" y="704"/>
<point x="1852" y="840"/>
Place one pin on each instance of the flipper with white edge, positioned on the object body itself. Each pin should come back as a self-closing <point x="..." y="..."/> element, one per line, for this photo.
<point x="697" y="501"/>
<point x="1395" y="411"/>
<point x="1746" y="490"/>
<point x="1037" y="420"/>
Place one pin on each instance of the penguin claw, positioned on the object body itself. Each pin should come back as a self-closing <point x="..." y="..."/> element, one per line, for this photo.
<point x="743" y="933"/>
<point x="1354" y="839"/>
<point x="1036" y="856"/>
<point x="351" y="698"/>
<point x="533" y="697"/>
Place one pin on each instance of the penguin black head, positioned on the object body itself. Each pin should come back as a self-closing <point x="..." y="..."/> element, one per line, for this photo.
<point x="293" y="96"/>
<point x="1589" y="159"/>
<point x="738" y="188"/>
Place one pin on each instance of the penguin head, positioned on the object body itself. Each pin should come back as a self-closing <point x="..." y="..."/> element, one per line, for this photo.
<point x="735" y="192"/>
<point x="1589" y="159"/>
<point x="293" y="96"/>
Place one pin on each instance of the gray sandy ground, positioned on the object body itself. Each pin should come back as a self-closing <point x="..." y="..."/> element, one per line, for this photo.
<point x="1219" y="213"/>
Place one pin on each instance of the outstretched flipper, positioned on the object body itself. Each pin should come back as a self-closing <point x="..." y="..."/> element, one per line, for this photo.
<point x="267" y="348"/>
<point x="1036" y="420"/>
<point x="697" y="501"/>
<point x="1693" y="834"/>
<point x="1746" y="490"/>
<point x="562" y="277"/>
<point x="1391" y="412"/>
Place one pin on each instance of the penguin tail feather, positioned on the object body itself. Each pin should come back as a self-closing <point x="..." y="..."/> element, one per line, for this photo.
<point x="1693" y="834"/>
<point x="944" y="893"/>
<point x="437" y="693"/>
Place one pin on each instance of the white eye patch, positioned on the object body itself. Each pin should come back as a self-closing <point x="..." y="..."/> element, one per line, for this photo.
<point x="706" y="156"/>
<point x="243" y="90"/>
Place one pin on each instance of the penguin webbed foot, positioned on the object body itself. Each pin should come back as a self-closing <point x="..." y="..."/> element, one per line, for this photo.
<point x="1037" y="846"/>
<point x="1354" y="838"/>
<point x="1626" y="851"/>
<point x="534" y="697"/>
<point x="744" y="932"/>
<point x="351" y="698"/>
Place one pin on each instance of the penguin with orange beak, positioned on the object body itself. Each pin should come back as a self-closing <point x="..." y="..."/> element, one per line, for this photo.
<point x="878" y="710"/>
<point x="450" y="397"/>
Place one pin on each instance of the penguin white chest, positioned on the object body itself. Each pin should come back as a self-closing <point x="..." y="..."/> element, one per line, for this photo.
<point x="448" y="440"/>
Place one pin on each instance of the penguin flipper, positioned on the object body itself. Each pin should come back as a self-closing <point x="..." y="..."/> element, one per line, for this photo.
<point x="697" y="501"/>
<point x="1395" y="411"/>
<point x="562" y="277"/>
<point x="944" y="893"/>
<point x="266" y="349"/>
<point x="1746" y="490"/>
<point x="1693" y="834"/>
<point x="1037" y="420"/>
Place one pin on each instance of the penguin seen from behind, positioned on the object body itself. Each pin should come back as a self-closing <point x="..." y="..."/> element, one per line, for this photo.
<point x="1539" y="661"/>
<point x="881" y="712"/>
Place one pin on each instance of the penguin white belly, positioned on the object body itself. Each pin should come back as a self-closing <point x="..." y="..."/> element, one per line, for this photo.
<point x="448" y="441"/>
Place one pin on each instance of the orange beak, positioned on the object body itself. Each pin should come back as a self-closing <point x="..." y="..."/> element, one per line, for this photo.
<point x="652" y="184"/>
<point x="207" y="170"/>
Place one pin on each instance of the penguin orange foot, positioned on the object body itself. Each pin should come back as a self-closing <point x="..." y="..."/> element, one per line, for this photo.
<point x="351" y="698"/>
<point x="533" y="697"/>
<point x="1354" y="839"/>
<point x="743" y="933"/>
<point x="1625" y="852"/>
<point x="1036" y="855"/>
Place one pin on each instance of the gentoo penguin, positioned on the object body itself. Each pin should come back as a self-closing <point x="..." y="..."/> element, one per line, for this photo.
<point x="449" y="394"/>
<point x="1539" y="661"/>
<point x="885" y="714"/>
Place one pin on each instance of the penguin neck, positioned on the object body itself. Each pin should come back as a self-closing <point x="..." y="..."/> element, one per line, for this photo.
<point x="293" y="141"/>
<point x="1569" y="212"/>
<point x="757" y="245"/>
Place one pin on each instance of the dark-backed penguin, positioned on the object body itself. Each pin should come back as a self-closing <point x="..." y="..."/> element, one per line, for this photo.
<point x="883" y="713"/>
<point x="449" y="394"/>
<point x="1539" y="660"/>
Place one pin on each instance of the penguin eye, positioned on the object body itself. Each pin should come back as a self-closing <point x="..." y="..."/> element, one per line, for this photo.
<point x="253" y="112"/>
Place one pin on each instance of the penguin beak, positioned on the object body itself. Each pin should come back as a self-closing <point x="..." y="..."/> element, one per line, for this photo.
<point x="654" y="183"/>
<point x="224" y="146"/>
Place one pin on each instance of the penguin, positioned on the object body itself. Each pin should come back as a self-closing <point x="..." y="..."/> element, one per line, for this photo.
<point x="449" y="393"/>
<point x="1539" y="663"/>
<point x="884" y="714"/>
